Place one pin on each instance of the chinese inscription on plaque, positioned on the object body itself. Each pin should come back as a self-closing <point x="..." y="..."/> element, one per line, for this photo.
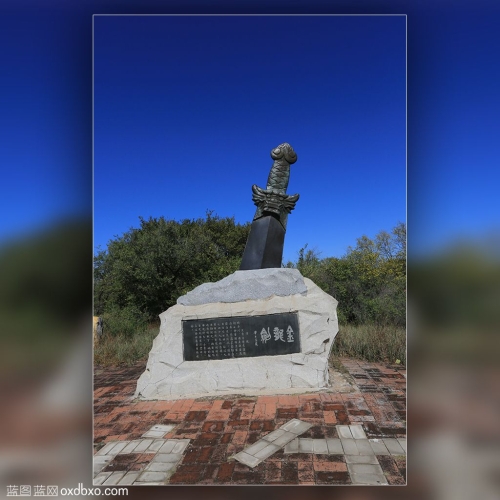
<point x="241" y="336"/>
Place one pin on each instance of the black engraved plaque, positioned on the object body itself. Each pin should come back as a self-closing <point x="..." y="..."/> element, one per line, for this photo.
<point x="241" y="336"/>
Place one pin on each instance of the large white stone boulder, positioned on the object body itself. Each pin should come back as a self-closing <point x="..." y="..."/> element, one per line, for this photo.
<point x="267" y="291"/>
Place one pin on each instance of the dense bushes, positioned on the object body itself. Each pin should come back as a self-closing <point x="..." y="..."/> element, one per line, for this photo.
<point x="369" y="281"/>
<point x="143" y="272"/>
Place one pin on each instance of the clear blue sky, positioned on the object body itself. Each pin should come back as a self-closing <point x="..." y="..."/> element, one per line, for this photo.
<point x="187" y="110"/>
<point x="453" y="119"/>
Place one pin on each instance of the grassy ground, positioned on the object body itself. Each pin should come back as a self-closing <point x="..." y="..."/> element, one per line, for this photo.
<point x="371" y="343"/>
<point x="368" y="342"/>
<point x="125" y="349"/>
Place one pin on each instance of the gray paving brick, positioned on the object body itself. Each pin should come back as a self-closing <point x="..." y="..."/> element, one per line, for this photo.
<point x="151" y="476"/>
<point x="344" y="432"/>
<point x="156" y="445"/>
<point x="272" y="436"/>
<point x="393" y="446"/>
<point x="117" y="449"/>
<point x="247" y="459"/>
<point x="153" y="434"/>
<point x="292" y="446"/>
<point x="378" y="447"/>
<point x="284" y="439"/>
<point x="306" y="446"/>
<point x="320" y="447"/>
<point x="143" y="445"/>
<point x="105" y="449"/>
<point x="368" y="479"/>
<point x="365" y="469"/>
<point x="101" y="461"/>
<point x="163" y="427"/>
<point x="97" y="467"/>
<point x="267" y="451"/>
<point x="364" y="447"/>
<point x="361" y="459"/>
<point x="273" y="441"/>
<point x="296" y="426"/>
<point x="257" y="446"/>
<point x="334" y="446"/>
<point x="349" y="446"/>
<point x="168" y="446"/>
<point x="114" y="478"/>
<point x="160" y="466"/>
<point x="180" y="446"/>
<point x="129" y="478"/>
<point x="402" y="442"/>
<point x="100" y="478"/>
<point x="131" y="446"/>
<point x="357" y="432"/>
<point x="167" y="457"/>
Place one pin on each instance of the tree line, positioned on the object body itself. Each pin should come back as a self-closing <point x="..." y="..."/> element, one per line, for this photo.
<point x="144" y="271"/>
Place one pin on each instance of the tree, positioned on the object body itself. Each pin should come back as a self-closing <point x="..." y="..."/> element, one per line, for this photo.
<point x="148" y="268"/>
<point x="369" y="281"/>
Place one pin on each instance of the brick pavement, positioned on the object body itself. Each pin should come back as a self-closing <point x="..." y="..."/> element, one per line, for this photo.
<point x="217" y="428"/>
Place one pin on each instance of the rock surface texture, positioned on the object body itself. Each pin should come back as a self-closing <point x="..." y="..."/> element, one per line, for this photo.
<point x="244" y="293"/>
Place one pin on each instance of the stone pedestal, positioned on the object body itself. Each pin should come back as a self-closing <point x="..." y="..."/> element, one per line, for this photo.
<point x="256" y="293"/>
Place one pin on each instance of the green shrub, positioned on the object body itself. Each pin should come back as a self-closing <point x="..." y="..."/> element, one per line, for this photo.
<point x="124" y="322"/>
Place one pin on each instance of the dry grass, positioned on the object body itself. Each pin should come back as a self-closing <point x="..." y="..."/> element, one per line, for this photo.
<point x="125" y="349"/>
<point x="368" y="342"/>
<point x="371" y="343"/>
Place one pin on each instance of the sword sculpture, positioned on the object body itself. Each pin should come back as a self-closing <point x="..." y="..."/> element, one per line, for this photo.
<point x="264" y="248"/>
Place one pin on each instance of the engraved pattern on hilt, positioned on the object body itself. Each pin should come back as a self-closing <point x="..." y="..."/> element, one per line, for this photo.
<point x="283" y="157"/>
<point x="274" y="199"/>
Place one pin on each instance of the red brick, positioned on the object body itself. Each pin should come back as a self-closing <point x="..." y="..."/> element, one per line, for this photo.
<point x="208" y="475"/>
<point x="329" y="466"/>
<point x="207" y="438"/>
<point x="176" y="417"/>
<point x="202" y="405"/>
<point x="226" y="437"/>
<point x="164" y="405"/>
<point x="267" y="399"/>
<point x="288" y="401"/>
<point x="330" y="477"/>
<point x="220" y="453"/>
<point x="306" y="477"/>
<point x="330" y="417"/>
<point x="268" y="425"/>
<point x="186" y="404"/>
<point x="259" y="411"/>
<point x="305" y="398"/>
<point x="289" y="473"/>
<point x="213" y="426"/>
<point x="270" y="413"/>
<point x="304" y="466"/>
<point x="239" y="437"/>
<point x="256" y="425"/>
<point x="198" y="455"/>
<point x="218" y="415"/>
<point x="225" y="472"/>
<point x="217" y="404"/>
<point x="196" y="416"/>
<point x="238" y="423"/>
<point x="273" y="472"/>
<point x="187" y="474"/>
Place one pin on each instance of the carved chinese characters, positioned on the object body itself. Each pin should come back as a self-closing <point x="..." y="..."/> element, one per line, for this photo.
<point x="242" y="336"/>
